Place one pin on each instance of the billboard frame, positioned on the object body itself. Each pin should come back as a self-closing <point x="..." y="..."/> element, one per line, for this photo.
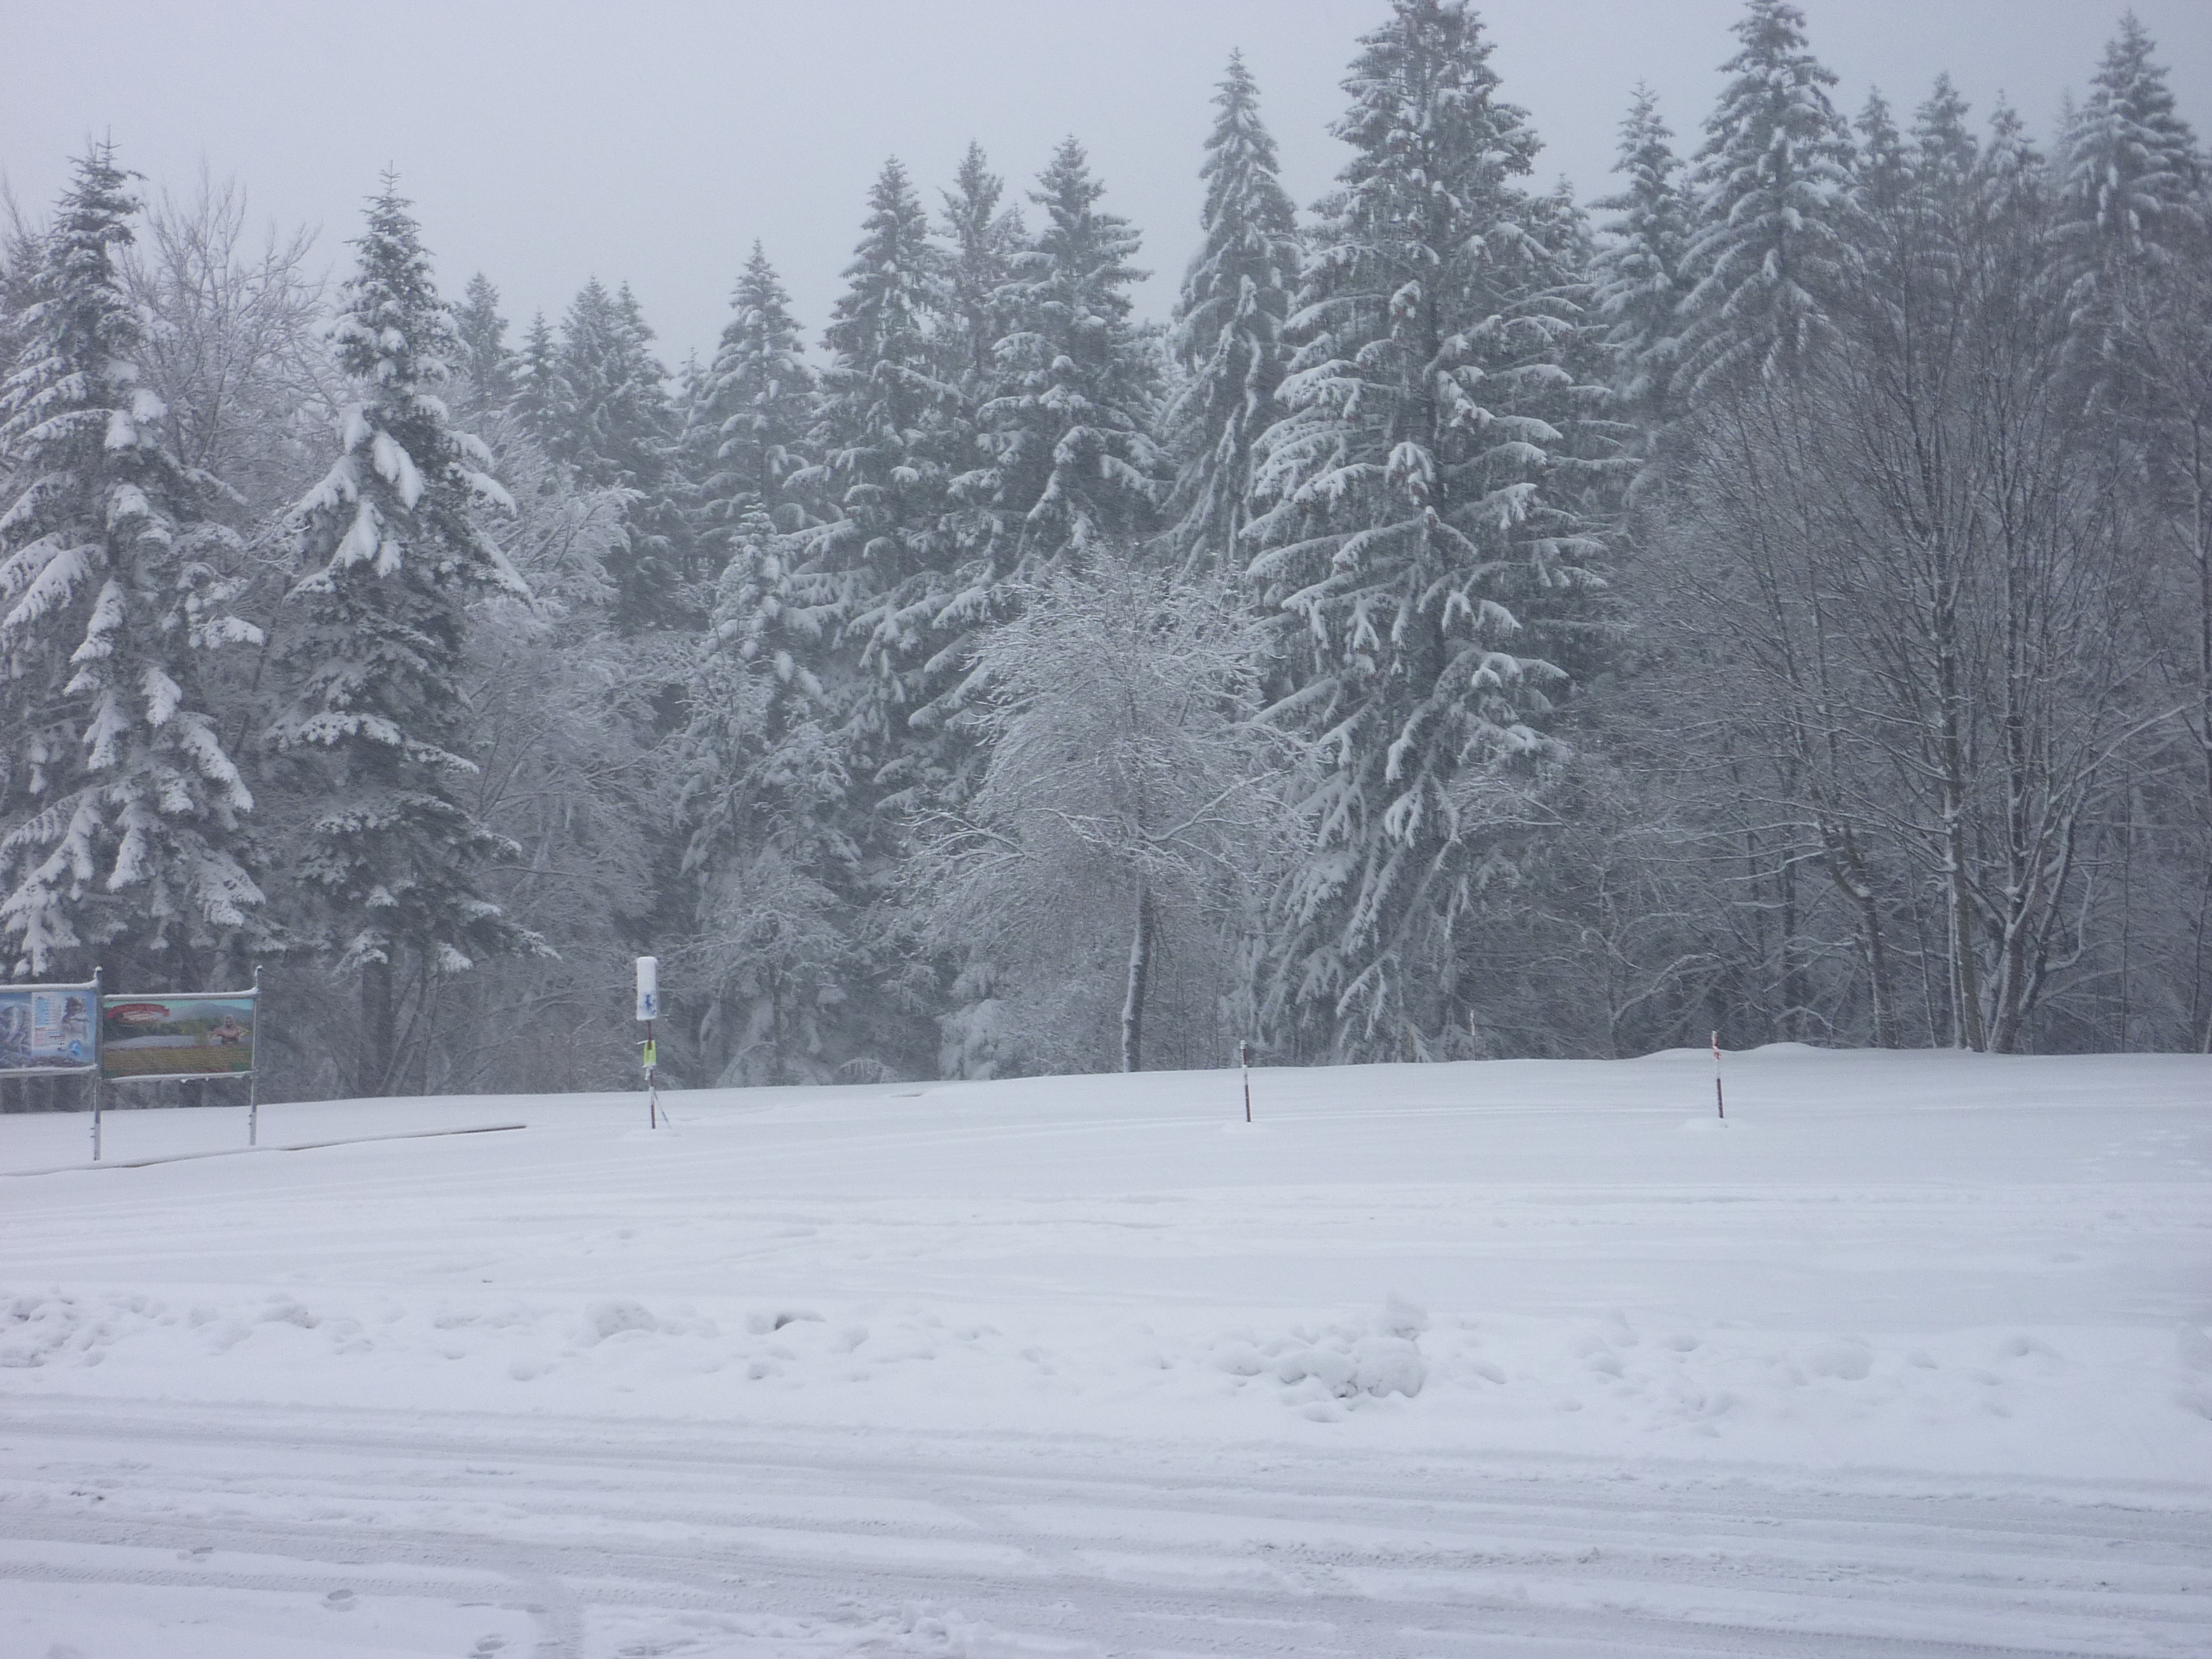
<point x="252" y="1073"/>
<point x="91" y="1066"/>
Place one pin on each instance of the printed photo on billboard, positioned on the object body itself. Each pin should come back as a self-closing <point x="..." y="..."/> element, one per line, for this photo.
<point x="45" y="1028"/>
<point x="201" y="1034"/>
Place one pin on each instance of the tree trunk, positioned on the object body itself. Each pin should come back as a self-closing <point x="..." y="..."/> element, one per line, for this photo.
<point x="373" y="1059"/>
<point x="1967" y="1032"/>
<point x="1140" y="968"/>
<point x="1848" y="868"/>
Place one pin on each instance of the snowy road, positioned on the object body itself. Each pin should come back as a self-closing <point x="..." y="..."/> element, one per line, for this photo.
<point x="584" y="1540"/>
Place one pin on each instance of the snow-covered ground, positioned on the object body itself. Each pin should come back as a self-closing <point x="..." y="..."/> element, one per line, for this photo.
<point x="1911" y="1357"/>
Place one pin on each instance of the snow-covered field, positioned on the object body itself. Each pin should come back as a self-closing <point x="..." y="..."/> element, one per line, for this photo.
<point x="1911" y="1358"/>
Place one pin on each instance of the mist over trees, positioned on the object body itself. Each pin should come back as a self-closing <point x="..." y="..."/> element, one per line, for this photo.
<point x="1778" y="600"/>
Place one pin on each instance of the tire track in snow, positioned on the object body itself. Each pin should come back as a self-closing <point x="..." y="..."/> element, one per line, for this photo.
<point x="1061" y="1545"/>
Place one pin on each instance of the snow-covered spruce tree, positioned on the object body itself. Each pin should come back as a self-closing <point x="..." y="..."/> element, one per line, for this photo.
<point x="1637" y="276"/>
<point x="1425" y="580"/>
<point x="612" y="424"/>
<point x="611" y="419"/>
<point x="484" y="374"/>
<point x="2132" y="247"/>
<point x="799" y="706"/>
<point x="121" y="839"/>
<point x="390" y="854"/>
<point x="979" y="242"/>
<point x="757" y="409"/>
<point x="1228" y="336"/>
<point x="1770" y="251"/>
<point x="1068" y="432"/>
<point x="1881" y="177"/>
<point x="560" y="720"/>
<point x="1595" y="455"/>
<point x="2132" y="201"/>
<point x="1065" y="439"/>
<point x="1943" y="139"/>
<point x="762" y="783"/>
<point x="922" y="640"/>
<point x="534" y="374"/>
<point x="889" y="437"/>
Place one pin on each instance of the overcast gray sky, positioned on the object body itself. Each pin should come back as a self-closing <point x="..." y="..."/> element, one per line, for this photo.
<point x="546" y="142"/>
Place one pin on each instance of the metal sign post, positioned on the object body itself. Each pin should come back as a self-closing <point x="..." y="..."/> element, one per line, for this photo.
<point x="648" y="1010"/>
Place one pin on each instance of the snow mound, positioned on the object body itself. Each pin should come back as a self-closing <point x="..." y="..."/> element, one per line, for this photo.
<point x="1317" y="1368"/>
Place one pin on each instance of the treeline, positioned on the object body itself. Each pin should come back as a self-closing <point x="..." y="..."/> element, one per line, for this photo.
<point x="1778" y="600"/>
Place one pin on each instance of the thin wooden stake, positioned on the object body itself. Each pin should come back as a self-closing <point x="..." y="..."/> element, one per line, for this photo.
<point x="253" y="1077"/>
<point x="98" y="1061"/>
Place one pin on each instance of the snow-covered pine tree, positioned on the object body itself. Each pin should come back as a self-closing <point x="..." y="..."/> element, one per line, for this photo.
<point x="1070" y="393"/>
<point x="534" y="373"/>
<point x="773" y="874"/>
<point x="1919" y="219"/>
<point x="482" y="374"/>
<point x="2013" y="172"/>
<point x="1228" y="336"/>
<point x="21" y="254"/>
<point x="613" y="423"/>
<point x="2132" y="197"/>
<point x="615" y="428"/>
<point x="1593" y="459"/>
<point x="1068" y="432"/>
<point x="1637" y="276"/>
<point x="1943" y="145"/>
<point x="2132" y="247"/>
<point x="1882" y="179"/>
<point x="889" y="436"/>
<point x="559" y="722"/>
<point x="374" y="651"/>
<point x="799" y="700"/>
<point x="1423" y="574"/>
<point x="121" y="839"/>
<point x="1770" y="251"/>
<point x="979" y="242"/>
<point x="758" y="409"/>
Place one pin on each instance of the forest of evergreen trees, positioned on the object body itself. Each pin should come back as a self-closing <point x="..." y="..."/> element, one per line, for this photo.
<point x="1777" y="597"/>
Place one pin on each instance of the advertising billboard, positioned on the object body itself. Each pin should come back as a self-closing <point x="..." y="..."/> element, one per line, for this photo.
<point x="192" y="1034"/>
<point x="45" y="1028"/>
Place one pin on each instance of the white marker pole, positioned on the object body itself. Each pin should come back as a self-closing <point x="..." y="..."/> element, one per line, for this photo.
<point x="1720" y="1105"/>
<point x="648" y="1010"/>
